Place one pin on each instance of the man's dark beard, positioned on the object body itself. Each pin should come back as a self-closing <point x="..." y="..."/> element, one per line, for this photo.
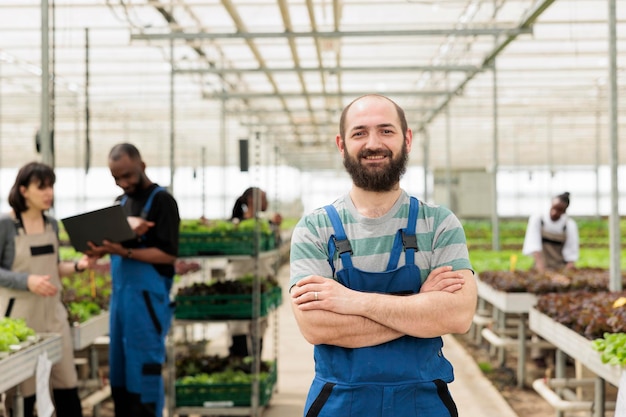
<point x="138" y="187"/>
<point x="374" y="179"/>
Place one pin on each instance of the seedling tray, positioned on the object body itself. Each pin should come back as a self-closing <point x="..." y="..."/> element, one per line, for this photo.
<point x="224" y="394"/>
<point x="225" y="306"/>
<point x="216" y="244"/>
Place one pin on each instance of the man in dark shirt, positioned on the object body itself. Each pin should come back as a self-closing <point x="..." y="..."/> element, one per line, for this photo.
<point x="142" y="271"/>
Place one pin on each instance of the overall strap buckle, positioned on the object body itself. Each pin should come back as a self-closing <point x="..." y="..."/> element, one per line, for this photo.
<point x="409" y="241"/>
<point x="342" y="246"/>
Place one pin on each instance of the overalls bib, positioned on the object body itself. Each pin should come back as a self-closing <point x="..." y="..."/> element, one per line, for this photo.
<point x="405" y="377"/>
<point x="140" y="318"/>
<point x="38" y="254"/>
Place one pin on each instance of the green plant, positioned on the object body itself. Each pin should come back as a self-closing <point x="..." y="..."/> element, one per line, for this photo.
<point x="505" y="260"/>
<point x="485" y="367"/>
<point x="612" y="348"/>
<point x="594" y="232"/>
<point x="12" y="332"/>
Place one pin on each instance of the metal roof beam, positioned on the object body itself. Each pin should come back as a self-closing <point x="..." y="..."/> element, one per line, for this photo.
<point x="284" y="11"/>
<point x="254" y="111"/>
<point x="290" y="125"/>
<point x="253" y="95"/>
<point x="431" y="68"/>
<point x="488" y="61"/>
<point x="229" y="5"/>
<point x="493" y="31"/>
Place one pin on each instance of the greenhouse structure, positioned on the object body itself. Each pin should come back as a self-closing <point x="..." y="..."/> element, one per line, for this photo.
<point x="509" y="103"/>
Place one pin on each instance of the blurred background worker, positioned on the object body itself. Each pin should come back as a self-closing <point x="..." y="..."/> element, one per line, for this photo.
<point x="245" y="206"/>
<point x="142" y="272"/>
<point x="250" y="204"/>
<point x="30" y="284"/>
<point x="552" y="238"/>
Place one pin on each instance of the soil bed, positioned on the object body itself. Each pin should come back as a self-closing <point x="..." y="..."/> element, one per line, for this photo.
<point x="525" y="401"/>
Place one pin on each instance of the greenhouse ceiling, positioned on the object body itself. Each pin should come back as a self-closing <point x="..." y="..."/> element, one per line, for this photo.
<point x="518" y="83"/>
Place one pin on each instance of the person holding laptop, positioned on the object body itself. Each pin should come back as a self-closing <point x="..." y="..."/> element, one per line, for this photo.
<point x="30" y="285"/>
<point x="142" y="271"/>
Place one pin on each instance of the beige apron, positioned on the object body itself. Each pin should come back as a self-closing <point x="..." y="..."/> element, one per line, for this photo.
<point x="552" y="244"/>
<point x="37" y="254"/>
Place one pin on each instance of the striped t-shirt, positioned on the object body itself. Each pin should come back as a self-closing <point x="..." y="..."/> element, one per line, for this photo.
<point x="440" y="239"/>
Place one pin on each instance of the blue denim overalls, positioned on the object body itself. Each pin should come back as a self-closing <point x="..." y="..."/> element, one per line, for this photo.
<point x="405" y="377"/>
<point x="140" y="318"/>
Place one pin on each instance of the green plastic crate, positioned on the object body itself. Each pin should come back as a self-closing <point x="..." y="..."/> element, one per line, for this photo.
<point x="224" y="395"/>
<point x="225" y="306"/>
<point x="216" y="244"/>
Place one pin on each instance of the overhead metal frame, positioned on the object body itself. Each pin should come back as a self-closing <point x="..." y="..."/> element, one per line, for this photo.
<point x="318" y="69"/>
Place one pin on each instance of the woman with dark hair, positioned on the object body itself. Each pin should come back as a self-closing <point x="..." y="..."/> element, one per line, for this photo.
<point x="552" y="238"/>
<point x="243" y="209"/>
<point x="244" y="205"/>
<point x="30" y="285"/>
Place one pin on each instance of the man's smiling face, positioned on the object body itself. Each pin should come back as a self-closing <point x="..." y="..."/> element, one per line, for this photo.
<point x="375" y="150"/>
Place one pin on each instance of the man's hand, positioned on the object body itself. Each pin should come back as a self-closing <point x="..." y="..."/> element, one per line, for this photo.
<point x="41" y="285"/>
<point x="107" y="247"/>
<point x="443" y="279"/>
<point x="327" y="313"/>
<point x="539" y="264"/>
<point x="319" y="293"/>
<point x="86" y="262"/>
<point x="139" y="225"/>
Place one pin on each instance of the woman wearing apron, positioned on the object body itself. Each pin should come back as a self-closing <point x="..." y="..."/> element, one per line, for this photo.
<point x="30" y="285"/>
<point x="552" y="238"/>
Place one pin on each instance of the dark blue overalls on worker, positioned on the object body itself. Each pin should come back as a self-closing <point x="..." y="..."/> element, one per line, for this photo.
<point x="141" y="314"/>
<point x="405" y="377"/>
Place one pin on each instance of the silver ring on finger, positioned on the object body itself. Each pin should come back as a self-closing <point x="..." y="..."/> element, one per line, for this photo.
<point x="316" y="295"/>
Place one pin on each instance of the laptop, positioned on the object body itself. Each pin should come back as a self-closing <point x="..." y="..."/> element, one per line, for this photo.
<point x="108" y="223"/>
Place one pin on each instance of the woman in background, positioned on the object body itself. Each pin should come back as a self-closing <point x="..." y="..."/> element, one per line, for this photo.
<point x="244" y="206"/>
<point x="244" y="209"/>
<point x="30" y="285"/>
<point x="552" y="238"/>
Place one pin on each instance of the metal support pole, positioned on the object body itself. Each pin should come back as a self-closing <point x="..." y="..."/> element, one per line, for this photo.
<point x="495" y="227"/>
<point x="560" y="372"/>
<point x="449" y="155"/>
<point x="224" y="161"/>
<point x="599" y="398"/>
<point x="501" y="331"/>
<point x="615" y="283"/>
<point x="1" y="125"/>
<point x="18" y="402"/>
<point x="549" y="144"/>
<point x="426" y="151"/>
<point x="597" y="164"/>
<point x="256" y="288"/>
<point x="44" y="129"/>
<point x="521" y="355"/>
<point x="87" y="109"/>
<point x="203" y="159"/>
<point x="172" y="117"/>
<point x="94" y="364"/>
